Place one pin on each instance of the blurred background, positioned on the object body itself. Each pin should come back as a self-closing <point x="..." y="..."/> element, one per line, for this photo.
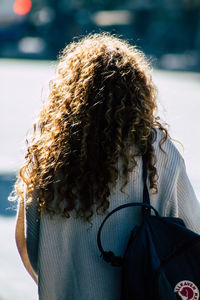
<point x="31" y="35"/>
<point x="166" y="29"/>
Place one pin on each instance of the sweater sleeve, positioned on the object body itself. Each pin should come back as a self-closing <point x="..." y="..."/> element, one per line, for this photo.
<point x="183" y="202"/>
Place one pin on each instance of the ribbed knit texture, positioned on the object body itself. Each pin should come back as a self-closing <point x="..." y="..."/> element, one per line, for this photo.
<point x="69" y="262"/>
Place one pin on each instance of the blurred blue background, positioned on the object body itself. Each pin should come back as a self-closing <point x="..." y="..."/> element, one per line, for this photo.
<point x="31" y="35"/>
<point x="166" y="29"/>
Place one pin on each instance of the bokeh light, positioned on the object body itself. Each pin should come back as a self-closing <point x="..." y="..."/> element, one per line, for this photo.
<point x="22" y="7"/>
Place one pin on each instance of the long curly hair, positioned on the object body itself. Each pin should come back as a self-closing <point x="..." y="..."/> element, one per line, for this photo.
<point x="101" y="104"/>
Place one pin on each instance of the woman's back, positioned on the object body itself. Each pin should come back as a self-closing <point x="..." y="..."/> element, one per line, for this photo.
<point x="70" y="266"/>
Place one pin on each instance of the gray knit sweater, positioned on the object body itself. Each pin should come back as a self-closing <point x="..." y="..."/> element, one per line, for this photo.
<point x="65" y="253"/>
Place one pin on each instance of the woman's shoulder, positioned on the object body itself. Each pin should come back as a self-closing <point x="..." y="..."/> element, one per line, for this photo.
<point x="166" y="150"/>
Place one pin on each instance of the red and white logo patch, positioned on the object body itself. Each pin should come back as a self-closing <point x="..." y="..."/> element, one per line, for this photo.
<point x="187" y="290"/>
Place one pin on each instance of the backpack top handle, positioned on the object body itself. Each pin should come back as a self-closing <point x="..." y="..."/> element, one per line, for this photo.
<point x="109" y="256"/>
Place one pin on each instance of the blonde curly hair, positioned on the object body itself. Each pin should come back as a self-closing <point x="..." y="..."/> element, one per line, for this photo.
<point x="101" y="103"/>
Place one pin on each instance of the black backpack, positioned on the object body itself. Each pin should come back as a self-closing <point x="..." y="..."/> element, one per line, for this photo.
<point x="162" y="258"/>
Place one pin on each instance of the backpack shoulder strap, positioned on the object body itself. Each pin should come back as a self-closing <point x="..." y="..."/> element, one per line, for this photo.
<point x="146" y="198"/>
